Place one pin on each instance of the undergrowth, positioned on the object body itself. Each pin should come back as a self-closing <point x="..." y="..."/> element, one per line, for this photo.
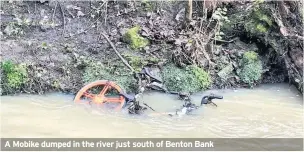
<point x="251" y="68"/>
<point x="13" y="76"/>
<point x="190" y="79"/>
<point x="201" y="75"/>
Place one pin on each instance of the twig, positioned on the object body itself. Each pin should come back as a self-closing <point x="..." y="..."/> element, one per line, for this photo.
<point x="54" y="12"/>
<point x="117" y="53"/>
<point x="223" y="40"/>
<point x="28" y="8"/>
<point x="63" y="17"/>
<point x="106" y="10"/>
<point x="35" y="8"/>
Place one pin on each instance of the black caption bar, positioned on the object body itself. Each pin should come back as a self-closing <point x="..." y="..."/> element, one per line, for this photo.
<point x="151" y="144"/>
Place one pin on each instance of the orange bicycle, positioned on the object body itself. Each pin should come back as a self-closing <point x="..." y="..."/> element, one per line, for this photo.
<point x="108" y="94"/>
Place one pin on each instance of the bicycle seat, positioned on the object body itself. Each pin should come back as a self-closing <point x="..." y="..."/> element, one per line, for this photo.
<point x="128" y="97"/>
<point x="146" y="71"/>
<point x="208" y="99"/>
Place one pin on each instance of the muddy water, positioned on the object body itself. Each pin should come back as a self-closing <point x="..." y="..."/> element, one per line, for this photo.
<point x="267" y="111"/>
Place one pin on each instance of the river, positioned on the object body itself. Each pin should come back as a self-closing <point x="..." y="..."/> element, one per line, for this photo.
<point x="272" y="110"/>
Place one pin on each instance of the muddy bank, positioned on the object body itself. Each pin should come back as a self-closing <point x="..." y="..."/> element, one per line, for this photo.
<point x="57" y="46"/>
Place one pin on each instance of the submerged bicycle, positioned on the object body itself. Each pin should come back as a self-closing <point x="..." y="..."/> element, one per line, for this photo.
<point x="108" y="94"/>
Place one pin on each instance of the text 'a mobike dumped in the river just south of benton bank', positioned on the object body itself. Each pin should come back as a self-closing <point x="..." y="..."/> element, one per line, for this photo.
<point x="111" y="144"/>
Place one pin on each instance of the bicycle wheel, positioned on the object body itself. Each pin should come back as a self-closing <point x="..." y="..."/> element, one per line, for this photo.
<point x="101" y="92"/>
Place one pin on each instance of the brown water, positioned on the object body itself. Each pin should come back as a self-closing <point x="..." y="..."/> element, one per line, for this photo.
<point x="267" y="111"/>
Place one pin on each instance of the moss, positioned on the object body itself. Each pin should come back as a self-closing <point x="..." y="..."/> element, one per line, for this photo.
<point x="44" y="45"/>
<point x="153" y="60"/>
<point x="13" y="75"/>
<point x="250" y="57"/>
<point x="261" y="28"/>
<point x="251" y="68"/>
<point x="148" y="5"/>
<point x="259" y="22"/>
<point x="190" y="79"/>
<point x="135" y="61"/>
<point x="263" y="17"/>
<point x="256" y="28"/>
<point x="134" y="39"/>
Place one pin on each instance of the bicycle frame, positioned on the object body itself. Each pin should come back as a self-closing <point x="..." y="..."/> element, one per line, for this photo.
<point x="144" y="81"/>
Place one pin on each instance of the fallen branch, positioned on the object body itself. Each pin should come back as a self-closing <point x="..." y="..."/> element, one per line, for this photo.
<point x="117" y="53"/>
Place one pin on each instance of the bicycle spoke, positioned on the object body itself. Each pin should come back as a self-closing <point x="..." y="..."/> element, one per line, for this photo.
<point x="88" y="95"/>
<point x="111" y="99"/>
<point x="104" y="90"/>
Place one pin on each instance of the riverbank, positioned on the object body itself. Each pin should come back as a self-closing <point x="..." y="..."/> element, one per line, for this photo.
<point x="57" y="46"/>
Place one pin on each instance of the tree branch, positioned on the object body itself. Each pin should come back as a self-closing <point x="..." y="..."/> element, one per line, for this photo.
<point x="117" y="53"/>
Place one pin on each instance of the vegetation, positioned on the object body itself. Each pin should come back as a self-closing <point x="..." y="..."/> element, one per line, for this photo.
<point x="13" y="76"/>
<point x="147" y="5"/>
<point x="135" y="61"/>
<point x="16" y="27"/>
<point x="220" y="16"/>
<point x="64" y="43"/>
<point x="251" y="70"/>
<point x="259" y="21"/>
<point x="134" y="39"/>
<point x="190" y="79"/>
<point x="201" y="75"/>
<point x="138" y="62"/>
